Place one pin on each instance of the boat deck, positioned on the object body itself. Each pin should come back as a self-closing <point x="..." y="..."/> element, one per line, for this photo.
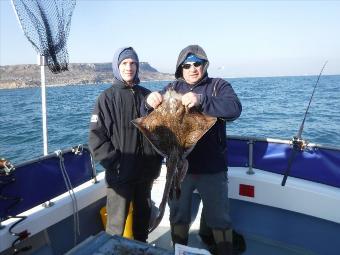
<point x="161" y="236"/>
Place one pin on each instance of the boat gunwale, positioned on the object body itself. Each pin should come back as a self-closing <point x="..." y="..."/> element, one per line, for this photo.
<point x="279" y="141"/>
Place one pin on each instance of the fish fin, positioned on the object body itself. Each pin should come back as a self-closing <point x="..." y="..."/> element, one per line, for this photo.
<point x="148" y="125"/>
<point x="195" y="125"/>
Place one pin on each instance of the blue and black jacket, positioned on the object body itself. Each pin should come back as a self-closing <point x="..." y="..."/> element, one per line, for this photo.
<point x="218" y="99"/>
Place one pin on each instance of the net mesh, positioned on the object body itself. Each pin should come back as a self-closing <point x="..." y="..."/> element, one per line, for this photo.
<point x="46" y="24"/>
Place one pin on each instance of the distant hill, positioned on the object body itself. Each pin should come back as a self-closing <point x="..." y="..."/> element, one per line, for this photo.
<point x="21" y="76"/>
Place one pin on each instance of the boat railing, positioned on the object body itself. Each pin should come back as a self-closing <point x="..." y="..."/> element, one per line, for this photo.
<point x="315" y="162"/>
<point x="37" y="181"/>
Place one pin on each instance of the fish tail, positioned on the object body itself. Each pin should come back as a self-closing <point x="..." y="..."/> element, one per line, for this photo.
<point x="160" y="215"/>
<point x="168" y="186"/>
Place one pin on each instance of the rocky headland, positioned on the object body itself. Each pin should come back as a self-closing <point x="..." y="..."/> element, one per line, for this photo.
<point x="23" y="76"/>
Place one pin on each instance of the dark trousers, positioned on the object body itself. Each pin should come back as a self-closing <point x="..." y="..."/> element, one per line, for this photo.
<point x="213" y="189"/>
<point x="117" y="207"/>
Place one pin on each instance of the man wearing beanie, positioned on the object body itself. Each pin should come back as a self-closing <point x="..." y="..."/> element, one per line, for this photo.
<point x="130" y="163"/>
<point x="207" y="170"/>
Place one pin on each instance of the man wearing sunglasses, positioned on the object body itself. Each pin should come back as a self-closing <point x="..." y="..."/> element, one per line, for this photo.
<point x="207" y="170"/>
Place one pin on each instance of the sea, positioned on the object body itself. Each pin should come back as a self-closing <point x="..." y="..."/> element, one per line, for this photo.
<point x="273" y="107"/>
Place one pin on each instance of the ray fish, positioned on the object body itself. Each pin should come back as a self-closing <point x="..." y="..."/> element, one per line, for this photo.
<point x="173" y="130"/>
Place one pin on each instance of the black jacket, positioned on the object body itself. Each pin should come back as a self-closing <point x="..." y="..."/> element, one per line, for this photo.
<point x="115" y="142"/>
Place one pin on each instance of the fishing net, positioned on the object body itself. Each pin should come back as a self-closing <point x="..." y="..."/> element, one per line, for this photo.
<point x="46" y="24"/>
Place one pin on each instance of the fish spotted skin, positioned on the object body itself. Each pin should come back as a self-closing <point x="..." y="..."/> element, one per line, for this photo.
<point x="173" y="130"/>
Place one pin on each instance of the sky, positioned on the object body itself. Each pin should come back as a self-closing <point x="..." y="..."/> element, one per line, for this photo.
<point x="241" y="38"/>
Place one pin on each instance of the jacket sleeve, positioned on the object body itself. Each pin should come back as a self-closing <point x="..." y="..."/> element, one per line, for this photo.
<point x="225" y="104"/>
<point x="100" y="142"/>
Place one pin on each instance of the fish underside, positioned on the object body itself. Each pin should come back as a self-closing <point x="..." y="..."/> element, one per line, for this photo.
<point x="173" y="130"/>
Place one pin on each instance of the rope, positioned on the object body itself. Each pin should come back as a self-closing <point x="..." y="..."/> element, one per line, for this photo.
<point x="72" y="195"/>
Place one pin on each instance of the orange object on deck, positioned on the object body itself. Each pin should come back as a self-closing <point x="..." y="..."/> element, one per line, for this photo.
<point x="128" y="223"/>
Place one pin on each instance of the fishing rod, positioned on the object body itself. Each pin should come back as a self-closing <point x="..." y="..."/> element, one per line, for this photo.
<point x="298" y="143"/>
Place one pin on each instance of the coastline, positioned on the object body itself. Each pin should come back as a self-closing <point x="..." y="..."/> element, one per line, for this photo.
<point x="13" y="85"/>
<point x="29" y="76"/>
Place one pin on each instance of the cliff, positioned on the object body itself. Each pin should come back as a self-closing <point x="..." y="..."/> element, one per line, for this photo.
<point x="21" y="76"/>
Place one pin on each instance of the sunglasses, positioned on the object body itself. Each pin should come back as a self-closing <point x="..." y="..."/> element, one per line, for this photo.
<point x="195" y="64"/>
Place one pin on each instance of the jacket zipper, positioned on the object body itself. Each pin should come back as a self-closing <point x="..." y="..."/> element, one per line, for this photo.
<point x="139" y="137"/>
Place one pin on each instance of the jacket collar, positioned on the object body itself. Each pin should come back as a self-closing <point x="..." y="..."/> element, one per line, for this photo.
<point x="119" y="84"/>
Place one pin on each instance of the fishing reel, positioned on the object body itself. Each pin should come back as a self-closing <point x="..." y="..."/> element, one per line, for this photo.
<point x="299" y="144"/>
<point x="6" y="167"/>
<point x="78" y="150"/>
